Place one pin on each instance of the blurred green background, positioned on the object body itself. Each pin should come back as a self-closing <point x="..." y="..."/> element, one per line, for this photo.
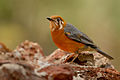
<point x="26" y="20"/>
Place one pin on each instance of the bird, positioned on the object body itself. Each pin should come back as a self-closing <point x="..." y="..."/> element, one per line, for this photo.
<point x="68" y="38"/>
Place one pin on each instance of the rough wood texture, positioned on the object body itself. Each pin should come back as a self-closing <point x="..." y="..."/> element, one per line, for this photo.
<point x="27" y="62"/>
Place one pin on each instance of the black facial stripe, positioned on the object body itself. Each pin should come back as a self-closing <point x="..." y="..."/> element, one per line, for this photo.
<point x="58" y="19"/>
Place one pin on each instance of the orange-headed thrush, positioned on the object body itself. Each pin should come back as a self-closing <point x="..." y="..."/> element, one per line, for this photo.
<point x="69" y="38"/>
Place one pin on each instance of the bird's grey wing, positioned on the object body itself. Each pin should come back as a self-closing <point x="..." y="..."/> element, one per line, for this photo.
<point x="73" y="33"/>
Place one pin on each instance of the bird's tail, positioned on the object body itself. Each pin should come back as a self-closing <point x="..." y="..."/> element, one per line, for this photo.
<point x="103" y="53"/>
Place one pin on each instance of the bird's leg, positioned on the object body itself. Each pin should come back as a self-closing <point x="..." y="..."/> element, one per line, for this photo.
<point x="69" y="57"/>
<point x="76" y="55"/>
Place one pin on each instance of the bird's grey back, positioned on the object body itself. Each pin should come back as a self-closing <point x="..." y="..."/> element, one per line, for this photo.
<point x="71" y="29"/>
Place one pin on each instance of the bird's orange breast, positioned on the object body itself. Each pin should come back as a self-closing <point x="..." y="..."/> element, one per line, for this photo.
<point x="64" y="43"/>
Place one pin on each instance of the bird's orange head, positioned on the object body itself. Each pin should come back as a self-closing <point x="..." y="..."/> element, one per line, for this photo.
<point x="56" y="23"/>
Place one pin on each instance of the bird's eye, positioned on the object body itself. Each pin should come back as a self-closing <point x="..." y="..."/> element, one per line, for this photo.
<point x="58" y="19"/>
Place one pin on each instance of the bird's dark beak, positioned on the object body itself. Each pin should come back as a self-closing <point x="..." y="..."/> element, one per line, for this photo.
<point x="50" y="19"/>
